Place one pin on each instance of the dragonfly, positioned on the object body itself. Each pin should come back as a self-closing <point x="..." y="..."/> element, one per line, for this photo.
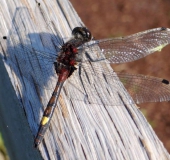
<point x="74" y="52"/>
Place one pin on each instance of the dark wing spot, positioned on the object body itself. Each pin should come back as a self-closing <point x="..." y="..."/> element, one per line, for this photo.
<point x="165" y="81"/>
<point x="163" y="28"/>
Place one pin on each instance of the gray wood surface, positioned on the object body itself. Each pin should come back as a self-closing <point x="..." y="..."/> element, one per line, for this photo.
<point x="78" y="130"/>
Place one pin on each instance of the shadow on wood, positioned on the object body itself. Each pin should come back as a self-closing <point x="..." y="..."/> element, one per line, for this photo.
<point x="78" y="130"/>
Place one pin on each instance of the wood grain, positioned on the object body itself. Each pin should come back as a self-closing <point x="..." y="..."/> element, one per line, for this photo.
<point x="78" y="130"/>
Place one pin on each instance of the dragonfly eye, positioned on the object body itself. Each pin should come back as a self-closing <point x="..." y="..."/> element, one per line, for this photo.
<point x="82" y="33"/>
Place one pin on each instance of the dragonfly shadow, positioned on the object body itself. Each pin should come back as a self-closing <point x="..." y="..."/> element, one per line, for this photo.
<point x="30" y="56"/>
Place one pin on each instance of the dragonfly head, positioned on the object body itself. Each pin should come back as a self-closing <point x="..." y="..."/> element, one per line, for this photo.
<point x="82" y="33"/>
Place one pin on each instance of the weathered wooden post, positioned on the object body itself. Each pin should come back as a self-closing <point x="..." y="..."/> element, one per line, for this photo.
<point x="78" y="130"/>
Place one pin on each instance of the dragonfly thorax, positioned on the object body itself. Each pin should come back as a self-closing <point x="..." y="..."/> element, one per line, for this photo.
<point x="67" y="54"/>
<point x="69" y="49"/>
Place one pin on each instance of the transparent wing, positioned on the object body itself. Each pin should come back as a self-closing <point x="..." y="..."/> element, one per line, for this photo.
<point x="140" y="87"/>
<point x="46" y="25"/>
<point x="130" y="48"/>
<point x="32" y="54"/>
<point x="37" y="66"/>
<point x="146" y="88"/>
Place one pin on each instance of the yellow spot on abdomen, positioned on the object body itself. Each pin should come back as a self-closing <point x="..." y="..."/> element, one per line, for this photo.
<point x="44" y="120"/>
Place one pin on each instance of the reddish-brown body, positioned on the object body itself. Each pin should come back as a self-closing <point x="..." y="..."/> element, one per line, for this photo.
<point x="64" y="67"/>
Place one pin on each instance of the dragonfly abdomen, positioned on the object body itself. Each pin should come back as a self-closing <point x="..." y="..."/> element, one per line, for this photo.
<point x="48" y="113"/>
